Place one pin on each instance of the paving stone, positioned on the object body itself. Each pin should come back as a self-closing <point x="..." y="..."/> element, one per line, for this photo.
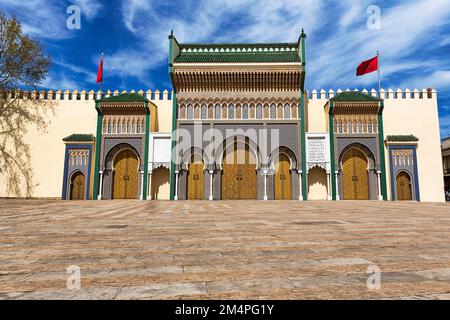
<point x="224" y="249"/>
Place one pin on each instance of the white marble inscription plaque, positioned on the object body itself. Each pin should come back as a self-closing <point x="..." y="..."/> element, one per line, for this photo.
<point x="316" y="149"/>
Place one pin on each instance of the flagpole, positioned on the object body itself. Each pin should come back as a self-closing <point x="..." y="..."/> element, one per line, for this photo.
<point x="379" y="75"/>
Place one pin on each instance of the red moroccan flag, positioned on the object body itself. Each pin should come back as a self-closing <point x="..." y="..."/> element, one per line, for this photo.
<point x="100" y="70"/>
<point x="368" y="66"/>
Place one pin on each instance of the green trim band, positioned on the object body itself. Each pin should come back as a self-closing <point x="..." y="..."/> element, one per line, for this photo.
<point x="172" y="163"/>
<point x="97" y="151"/>
<point x="331" y="131"/>
<point x="382" y="155"/>
<point x="147" y="136"/>
<point x="302" y="114"/>
<point x="303" y="147"/>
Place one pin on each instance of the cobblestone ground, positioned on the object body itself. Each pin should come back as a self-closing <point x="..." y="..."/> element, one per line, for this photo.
<point x="224" y="249"/>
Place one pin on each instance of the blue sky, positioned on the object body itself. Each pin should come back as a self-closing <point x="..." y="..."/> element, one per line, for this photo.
<point x="414" y="39"/>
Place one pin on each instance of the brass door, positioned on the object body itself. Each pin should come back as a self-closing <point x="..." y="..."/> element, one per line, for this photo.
<point x="355" y="178"/>
<point x="196" y="180"/>
<point x="283" y="178"/>
<point x="404" y="187"/>
<point x="126" y="175"/>
<point x="78" y="187"/>
<point x="239" y="174"/>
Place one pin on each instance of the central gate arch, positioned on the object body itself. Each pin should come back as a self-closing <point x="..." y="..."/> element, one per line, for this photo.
<point x="239" y="163"/>
<point x="195" y="178"/>
<point x="283" y="187"/>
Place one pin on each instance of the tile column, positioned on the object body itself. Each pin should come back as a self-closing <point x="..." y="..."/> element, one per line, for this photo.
<point x="337" y="184"/>
<point x="265" y="184"/>
<point x="300" y="196"/>
<point x="380" y="196"/>
<point x="329" y="197"/>
<point x="176" y="185"/>
<point x="100" y="191"/>
<point x="211" y="174"/>
<point x="141" y="196"/>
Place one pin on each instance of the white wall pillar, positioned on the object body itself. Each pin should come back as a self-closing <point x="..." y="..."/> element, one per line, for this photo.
<point x="141" y="196"/>
<point x="380" y="196"/>
<point x="149" y="186"/>
<point x="329" y="197"/>
<point x="211" y="174"/>
<point x="100" y="191"/>
<point x="176" y="185"/>
<point x="337" y="185"/>
<point x="300" y="195"/>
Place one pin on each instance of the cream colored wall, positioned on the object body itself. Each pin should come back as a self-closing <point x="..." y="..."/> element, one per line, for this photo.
<point x="164" y="114"/>
<point x="420" y="118"/>
<point x="316" y="116"/>
<point x="47" y="149"/>
<point x="71" y="116"/>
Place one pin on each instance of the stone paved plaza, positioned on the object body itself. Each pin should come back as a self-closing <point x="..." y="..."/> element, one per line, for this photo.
<point x="224" y="249"/>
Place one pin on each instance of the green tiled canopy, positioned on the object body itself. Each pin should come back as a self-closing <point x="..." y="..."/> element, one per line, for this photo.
<point x="402" y="138"/>
<point x="125" y="97"/>
<point x="79" y="137"/>
<point x="354" y="96"/>
<point x="238" y="53"/>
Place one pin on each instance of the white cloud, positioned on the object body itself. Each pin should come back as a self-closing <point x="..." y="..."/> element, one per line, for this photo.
<point x="439" y="80"/>
<point x="89" y="8"/>
<point x="47" y="18"/>
<point x="335" y="59"/>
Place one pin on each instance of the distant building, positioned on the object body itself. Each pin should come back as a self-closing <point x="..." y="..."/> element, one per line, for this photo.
<point x="446" y="164"/>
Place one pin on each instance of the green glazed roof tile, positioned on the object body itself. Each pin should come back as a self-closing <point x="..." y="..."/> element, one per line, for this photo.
<point x="238" y="53"/>
<point x="79" y="137"/>
<point x="125" y="97"/>
<point x="354" y="96"/>
<point x="401" y="138"/>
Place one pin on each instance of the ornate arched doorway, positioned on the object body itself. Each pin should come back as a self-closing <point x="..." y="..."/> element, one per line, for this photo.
<point x="283" y="187"/>
<point x="355" y="178"/>
<point x="77" y="186"/>
<point x="195" y="185"/>
<point x="317" y="183"/>
<point x="238" y="172"/>
<point x="126" y="169"/>
<point x="404" y="190"/>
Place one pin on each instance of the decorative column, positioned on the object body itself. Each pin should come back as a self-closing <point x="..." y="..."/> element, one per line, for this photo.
<point x="329" y="197"/>
<point x="300" y="192"/>
<point x="176" y="185"/>
<point x="380" y="196"/>
<point x="100" y="191"/>
<point x="265" y="184"/>
<point x="211" y="174"/>
<point x="337" y="184"/>
<point x="149" y="191"/>
<point x="141" y="196"/>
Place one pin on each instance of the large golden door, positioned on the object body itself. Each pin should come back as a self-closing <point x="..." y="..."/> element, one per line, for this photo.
<point x="283" y="178"/>
<point x="78" y="186"/>
<point x="355" y="178"/>
<point x="126" y="175"/>
<point x="195" y="180"/>
<point x="239" y="174"/>
<point x="404" y="187"/>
